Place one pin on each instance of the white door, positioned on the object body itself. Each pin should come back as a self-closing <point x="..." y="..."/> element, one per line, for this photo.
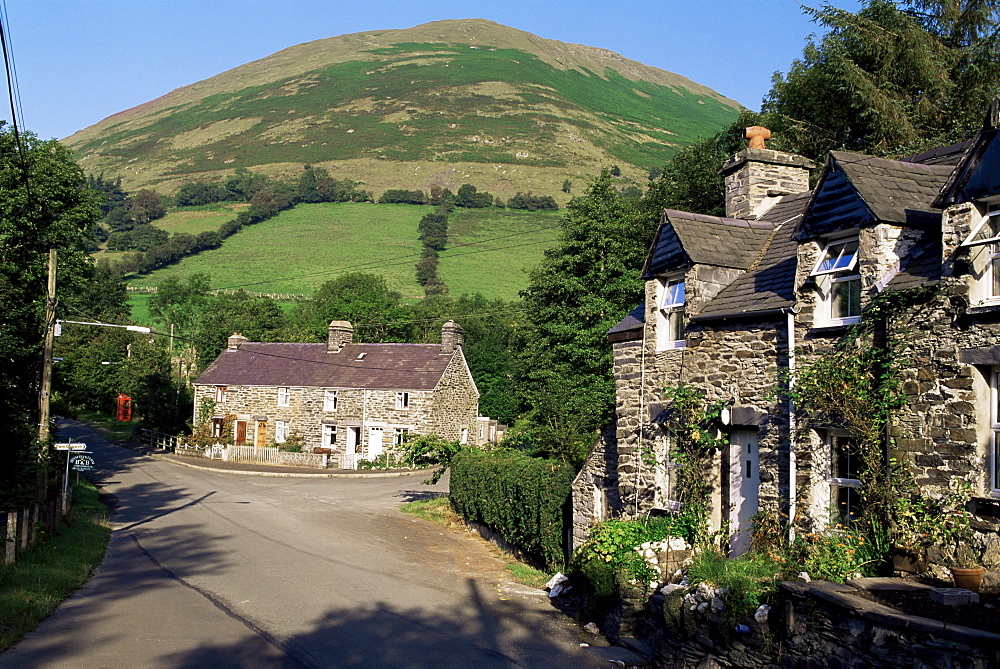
<point x="351" y="449"/>
<point x="374" y="442"/>
<point x="744" y="485"/>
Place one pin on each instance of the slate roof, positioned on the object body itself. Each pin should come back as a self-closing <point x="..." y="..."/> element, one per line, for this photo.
<point x="629" y="327"/>
<point x="922" y="268"/>
<point x="893" y="189"/>
<point x="770" y="282"/>
<point x="684" y="238"/>
<point x="942" y="155"/>
<point x="384" y="366"/>
<point x="969" y="182"/>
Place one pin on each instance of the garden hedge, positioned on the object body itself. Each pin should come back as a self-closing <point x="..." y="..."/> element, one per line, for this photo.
<point x="524" y="499"/>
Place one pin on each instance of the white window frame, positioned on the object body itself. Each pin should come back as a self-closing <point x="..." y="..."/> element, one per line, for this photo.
<point x="463" y="435"/>
<point x="670" y="305"/>
<point x="284" y="397"/>
<point x="399" y="435"/>
<point x="836" y="481"/>
<point x="993" y="460"/>
<point x="330" y="400"/>
<point x="220" y="394"/>
<point x="842" y="270"/>
<point x="989" y="292"/>
<point x="402" y="401"/>
<point x="281" y="431"/>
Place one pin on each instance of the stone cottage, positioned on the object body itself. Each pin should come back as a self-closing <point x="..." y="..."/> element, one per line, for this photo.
<point x="732" y="304"/>
<point x="356" y="400"/>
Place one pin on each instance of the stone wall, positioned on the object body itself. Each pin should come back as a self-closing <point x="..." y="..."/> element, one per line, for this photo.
<point x="455" y="401"/>
<point x="755" y="178"/>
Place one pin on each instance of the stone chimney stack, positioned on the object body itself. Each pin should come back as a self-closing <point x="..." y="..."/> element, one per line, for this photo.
<point x="452" y="337"/>
<point x="339" y="335"/>
<point x="236" y="340"/>
<point x="757" y="177"/>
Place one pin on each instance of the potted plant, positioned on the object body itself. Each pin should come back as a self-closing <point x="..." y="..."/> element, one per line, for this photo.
<point x="965" y="570"/>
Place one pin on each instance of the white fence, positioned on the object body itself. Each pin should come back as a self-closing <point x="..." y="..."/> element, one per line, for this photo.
<point x="260" y="456"/>
<point x="160" y="440"/>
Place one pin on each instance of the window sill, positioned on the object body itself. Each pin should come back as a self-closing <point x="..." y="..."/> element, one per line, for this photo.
<point x="835" y="325"/>
<point x="671" y="346"/>
<point x="985" y="307"/>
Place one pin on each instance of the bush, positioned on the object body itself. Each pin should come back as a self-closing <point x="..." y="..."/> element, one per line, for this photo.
<point x="522" y="498"/>
<point x="401" y="196"/>
<point x="531" y="202"/>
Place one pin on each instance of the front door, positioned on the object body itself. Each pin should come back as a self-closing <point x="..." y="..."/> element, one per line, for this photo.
<point x="261" y="436"/>
<point x="374" y="442"/>
<point x="744" y="485"/>
<point x="351" y="448"/>
<point x="241" y="432"/>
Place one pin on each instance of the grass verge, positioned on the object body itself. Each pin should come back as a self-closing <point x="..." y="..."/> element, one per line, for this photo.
<point x="109" y="425"/>
<point x="438" y="511"/>
<point x="34" y="586"/>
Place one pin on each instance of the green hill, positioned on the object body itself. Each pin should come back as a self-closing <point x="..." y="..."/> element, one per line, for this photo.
<point x="489" y="251"/>
<point x="443" y="103"/>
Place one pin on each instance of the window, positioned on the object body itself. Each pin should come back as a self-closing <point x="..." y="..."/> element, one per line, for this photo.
<point x="220" y="394"/>
<point x="670" y="315"/>
<point x="329" y="438"/>
<point x="993" y="462"/>
<point x="463" y="436"/>
<point x="839" y="283"/>
<point x="399" y="436"/>
<point x="280" y="431"/>
<point x="845" y="466"/>
<point x="330" y="400"/>
<point x="984" y="244"/>
<point x="284" y="397"/>
<point x="402" y="400"/>
<point x="217" y="427"/>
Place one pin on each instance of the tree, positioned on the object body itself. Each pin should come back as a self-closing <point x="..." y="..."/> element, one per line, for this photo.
<point x="469" y="196"/>
<point x="180" y="302"/>
<point x="905" y="76"/>
<point x="45" y="203"/>
<point x="147" y="206"/>
<point x="433" y="229"/>
<point x="363" y="299"/>
<point x="567" y="186"/>
<point x="583" y="286"/>
<point x="257" y="318"/>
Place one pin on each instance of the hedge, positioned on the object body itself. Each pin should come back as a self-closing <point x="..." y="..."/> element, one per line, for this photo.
<point x="521" y="498"/>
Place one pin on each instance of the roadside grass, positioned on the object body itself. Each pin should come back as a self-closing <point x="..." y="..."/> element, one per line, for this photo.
<point x="438" y="511"/>
<point x="300" y="249"/>
<point x="109" y="425"/>
<point x="34" y="586"/>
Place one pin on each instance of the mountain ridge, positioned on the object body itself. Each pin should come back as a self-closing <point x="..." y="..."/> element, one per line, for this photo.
<point x="535" y="96"/>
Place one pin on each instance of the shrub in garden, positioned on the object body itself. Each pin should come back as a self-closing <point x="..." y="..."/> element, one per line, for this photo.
<point x="522" y="498"/>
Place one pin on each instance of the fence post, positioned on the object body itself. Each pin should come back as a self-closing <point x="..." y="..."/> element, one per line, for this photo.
<point x="10" y="546"/>
<point x="33" y="539"/>
<point x="24" y="530"/>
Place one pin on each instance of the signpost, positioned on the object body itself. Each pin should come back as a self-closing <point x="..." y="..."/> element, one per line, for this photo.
<point x="79" y="457"/>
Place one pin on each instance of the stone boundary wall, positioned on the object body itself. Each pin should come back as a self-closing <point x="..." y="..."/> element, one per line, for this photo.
<point x="813" y="624"/>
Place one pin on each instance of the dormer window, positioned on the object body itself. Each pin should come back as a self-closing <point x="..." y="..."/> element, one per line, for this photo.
<point x="984" y="246"/>
<point x="670" y="314"/>
<point x="839" y="283"/>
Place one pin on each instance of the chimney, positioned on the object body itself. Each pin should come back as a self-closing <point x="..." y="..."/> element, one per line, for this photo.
<point x="452" y="337"/>
<point x="757" y="177"/>
<point x="339" y="335"/>
<point x="236" y="340"/>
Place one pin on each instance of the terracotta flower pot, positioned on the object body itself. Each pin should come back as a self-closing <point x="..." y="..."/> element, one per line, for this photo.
<point x="970" y="578"/>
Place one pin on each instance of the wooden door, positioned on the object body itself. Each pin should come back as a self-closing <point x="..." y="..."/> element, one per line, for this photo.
<point x="241" y="432"/>
<point x="261" y="435"/>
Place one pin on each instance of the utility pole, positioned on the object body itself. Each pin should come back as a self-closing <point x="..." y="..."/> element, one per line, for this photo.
<point x="45" y="390"/>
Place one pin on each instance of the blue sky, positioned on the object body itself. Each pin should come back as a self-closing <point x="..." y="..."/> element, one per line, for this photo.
<point x="78" y="62"/>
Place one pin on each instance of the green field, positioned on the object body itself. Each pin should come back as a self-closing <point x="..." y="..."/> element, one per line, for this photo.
<point x="301" y="248"/>
<point x="492" y="250"/>
<point x="193" y="220"/>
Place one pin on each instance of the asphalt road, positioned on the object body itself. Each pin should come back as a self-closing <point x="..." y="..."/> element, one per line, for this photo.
<point x="209" y="569"/>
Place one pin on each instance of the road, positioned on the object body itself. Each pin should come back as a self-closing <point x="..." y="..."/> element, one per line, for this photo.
<point x="209" y="569"/>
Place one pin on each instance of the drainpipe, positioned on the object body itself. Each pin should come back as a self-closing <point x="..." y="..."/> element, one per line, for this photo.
<point x="792" y="467"/>
<point x="364" y="414"/>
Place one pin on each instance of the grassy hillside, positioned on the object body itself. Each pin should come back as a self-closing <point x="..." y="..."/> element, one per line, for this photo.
<point x="299" y="249"/>
<point x="193" y="220"/>
<point x="440" y="103"/>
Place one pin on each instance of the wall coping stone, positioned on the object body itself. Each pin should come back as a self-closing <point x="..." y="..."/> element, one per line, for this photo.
<point x="840" y="595"/>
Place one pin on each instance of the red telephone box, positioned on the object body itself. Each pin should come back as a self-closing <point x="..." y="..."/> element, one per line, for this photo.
<point x="124" y="408"/>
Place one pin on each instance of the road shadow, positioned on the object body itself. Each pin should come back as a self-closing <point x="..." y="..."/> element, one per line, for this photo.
<point x="485" y="632"/>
